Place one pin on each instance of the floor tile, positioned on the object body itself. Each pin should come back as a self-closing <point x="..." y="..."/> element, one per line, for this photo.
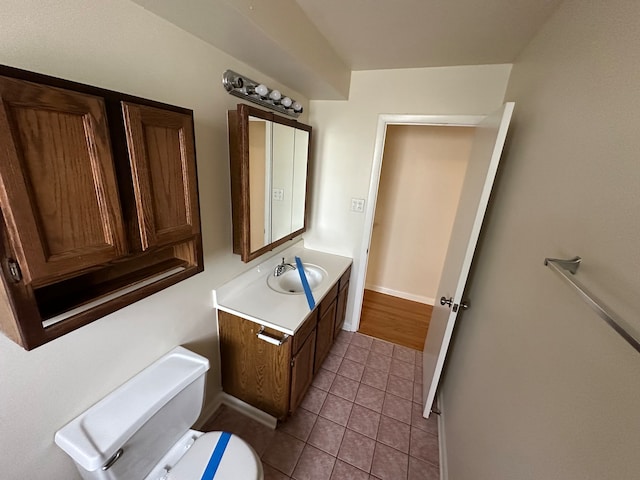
<point x="394" y="433"/>
<point x="271" y="473"/>
<point x="382" y="347"/>
<point x="357" y="450"/>
<point x="332" y="363"/>
<point x="389" y="464"/>
<point x="370" y="397"/>
<point x="327" y="435"/>
<point x="396" y="407"/>
<point x="336" y="409"/>
<point x="314" y="464"/>
<point x="323" y="379"/>
<point x="400" y="387"/>
<point x="299" y="424"/>
<point x="417" y="393"/>
<point x="364" y="421"/>
<point x="344" y="387"/>
<point x="419" y="358"/>
<point x="429" y="425"/>
<point x="363" y="341"/>
<point x="283" y="453"/>
<point x="351" y="369"/>
<point x="357" y="354"/>
<point x="379" y="362"/>
<point x="344" y="471"/>
<point x="339" y="349"/>
<point x="424" y="446"/>
<point x="375" y="378"/>
<point x="417" y="374"/>
<point x="313" y="399"/>
<point x="402" y="369"/>
<point x="419" y="470"/>
<point x="405" y="354"/>
<point x="344" y="337"/>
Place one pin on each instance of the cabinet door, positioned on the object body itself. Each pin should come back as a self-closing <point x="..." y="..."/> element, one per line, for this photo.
<point x="324" y="338"/>
<point x="302" y="371"/>
<point x="162" y="155"/>
<point x="255" y="371"/>
<point x="341" y="309"/>
<point x="58" y="185"/>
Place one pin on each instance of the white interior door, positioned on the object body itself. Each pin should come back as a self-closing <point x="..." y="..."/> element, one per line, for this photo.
<point x="481" y="171"/>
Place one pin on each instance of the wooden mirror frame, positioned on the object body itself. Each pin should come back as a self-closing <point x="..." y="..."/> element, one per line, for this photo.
<point x="238" y="123"/>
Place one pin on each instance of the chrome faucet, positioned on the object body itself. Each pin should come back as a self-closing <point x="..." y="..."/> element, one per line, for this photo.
<point x="283" y="267"/>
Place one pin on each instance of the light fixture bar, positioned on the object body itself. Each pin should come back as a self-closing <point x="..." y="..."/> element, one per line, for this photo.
<point x="255" y="92"/>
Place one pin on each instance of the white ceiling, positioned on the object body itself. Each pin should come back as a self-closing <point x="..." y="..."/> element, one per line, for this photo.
<point x="313" y="45"/>
<point x="381" y="34"/>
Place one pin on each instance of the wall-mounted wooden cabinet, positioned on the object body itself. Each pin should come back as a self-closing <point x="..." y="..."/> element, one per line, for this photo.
<point x="99" y="203"/>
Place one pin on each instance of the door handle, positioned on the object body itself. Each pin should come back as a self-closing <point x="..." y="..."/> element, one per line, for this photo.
<point x="446" y="301"/>
<point x="464" y="304"/>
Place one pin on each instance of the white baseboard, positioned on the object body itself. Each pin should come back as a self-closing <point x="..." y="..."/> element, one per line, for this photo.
<point x="405" y="295"/>
<point x="442" y="444"/>
<point x="248" y="410"/>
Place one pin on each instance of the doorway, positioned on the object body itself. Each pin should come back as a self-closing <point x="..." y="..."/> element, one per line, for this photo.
<point x="417" y="175"/>
<point x="421" y="179"/>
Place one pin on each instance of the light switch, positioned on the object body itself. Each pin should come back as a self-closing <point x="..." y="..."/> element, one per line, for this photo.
<point x="278" y="194"/>
<point x="357" y="205"/>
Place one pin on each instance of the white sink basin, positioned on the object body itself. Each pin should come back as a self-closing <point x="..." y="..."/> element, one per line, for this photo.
<point x="290" y="283"/>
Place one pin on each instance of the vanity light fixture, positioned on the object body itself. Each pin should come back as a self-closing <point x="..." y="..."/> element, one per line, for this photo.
<point x="259" y="93"/>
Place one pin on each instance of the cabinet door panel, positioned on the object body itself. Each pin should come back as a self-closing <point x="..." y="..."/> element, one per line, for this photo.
<point x="341" y="309"/>
<point x="302" y="371"/>
<point x="59" y="188"/>
<point x="162" y="154"/>
<point x="253" y="370"/>
<point x="324" y="338"/>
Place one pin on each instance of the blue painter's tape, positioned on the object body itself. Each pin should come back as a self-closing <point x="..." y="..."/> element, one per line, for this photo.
<point x="216" y="456"/>
<point x="305" y="284"/>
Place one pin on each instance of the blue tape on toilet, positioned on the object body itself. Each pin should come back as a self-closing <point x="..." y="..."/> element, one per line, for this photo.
<point x="305" y="284"/>
<point x="216" y="456"/>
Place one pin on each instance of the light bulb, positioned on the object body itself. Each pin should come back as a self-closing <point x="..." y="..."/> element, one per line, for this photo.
<point x="262" y="90"/>
<point x="275" y="95"/>
<point x="296" y="107"/>
<point x="286" y="102"/>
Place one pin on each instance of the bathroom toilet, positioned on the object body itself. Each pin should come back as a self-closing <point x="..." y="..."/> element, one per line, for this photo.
<point x="142" y="430"/>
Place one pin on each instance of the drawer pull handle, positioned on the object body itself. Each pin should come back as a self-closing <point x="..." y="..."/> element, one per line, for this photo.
<point x="269" y="339"/>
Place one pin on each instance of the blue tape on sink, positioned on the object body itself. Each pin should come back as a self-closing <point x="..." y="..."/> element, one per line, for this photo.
<point x="305" y="284"/>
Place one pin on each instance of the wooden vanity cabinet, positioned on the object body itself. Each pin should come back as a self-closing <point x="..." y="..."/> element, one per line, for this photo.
<point x="99" y="203"/>
<point x="275" y="378"/>
<point x="271" y="377"/>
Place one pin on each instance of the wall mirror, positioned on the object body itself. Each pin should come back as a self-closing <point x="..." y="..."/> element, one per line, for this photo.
<point x="269" y="158"/>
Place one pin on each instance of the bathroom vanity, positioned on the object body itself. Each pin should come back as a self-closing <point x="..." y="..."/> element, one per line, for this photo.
<point x="271" y="342"/>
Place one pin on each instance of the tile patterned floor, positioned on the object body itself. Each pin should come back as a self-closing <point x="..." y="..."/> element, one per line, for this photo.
<point x="361" y="419"/>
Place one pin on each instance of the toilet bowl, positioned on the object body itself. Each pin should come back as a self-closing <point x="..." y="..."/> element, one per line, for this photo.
<point x="142" y="430"/>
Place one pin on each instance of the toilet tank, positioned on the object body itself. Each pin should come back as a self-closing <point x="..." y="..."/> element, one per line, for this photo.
<point x="144" y="417"/>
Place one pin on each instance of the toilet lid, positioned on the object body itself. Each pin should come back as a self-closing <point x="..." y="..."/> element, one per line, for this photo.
<point x="238" y="461"/>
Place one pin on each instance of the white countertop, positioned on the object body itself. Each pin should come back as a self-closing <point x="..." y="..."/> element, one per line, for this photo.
<point x="248" y="295"/>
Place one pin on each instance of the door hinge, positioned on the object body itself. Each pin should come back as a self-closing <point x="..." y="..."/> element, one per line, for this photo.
<point x="14" y="270"/>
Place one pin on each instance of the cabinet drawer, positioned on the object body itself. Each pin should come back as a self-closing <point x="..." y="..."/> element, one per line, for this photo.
<point x="328" y="298"/>
<point x="303" y="332"/>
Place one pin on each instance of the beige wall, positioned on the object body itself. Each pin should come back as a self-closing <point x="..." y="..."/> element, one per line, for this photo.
<point x="537" y="386"/>
<point x="422" y="173"/>
<point x="345" y="135"/>
<point x="120" y="46"/>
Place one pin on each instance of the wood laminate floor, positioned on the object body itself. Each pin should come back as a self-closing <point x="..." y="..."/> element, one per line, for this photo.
<point x="394" y="319"/>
